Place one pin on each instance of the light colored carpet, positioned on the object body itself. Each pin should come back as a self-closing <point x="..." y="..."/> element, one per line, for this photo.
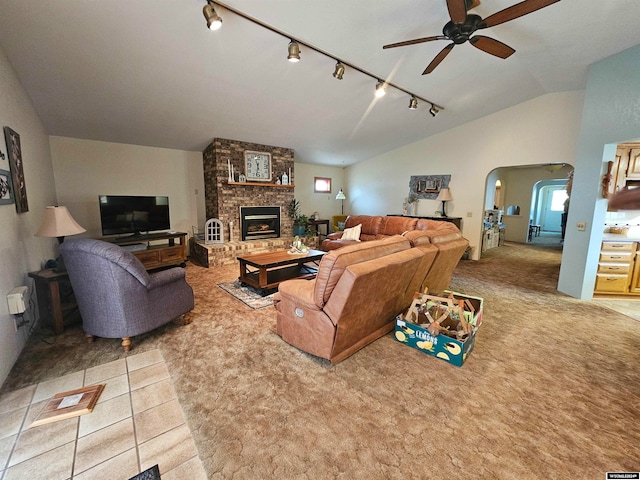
<point x="551" y="390"/>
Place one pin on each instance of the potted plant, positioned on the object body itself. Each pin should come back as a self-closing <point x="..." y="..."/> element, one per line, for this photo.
<point x="300" y="221"/>
<point x="410" y="202"/>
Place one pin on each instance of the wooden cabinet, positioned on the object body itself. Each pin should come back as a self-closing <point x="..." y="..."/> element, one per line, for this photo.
<point x="633" y="163"/>
<point x="615" y="268"/>
<point x="626" y="167"/>
<point x="163" y="252"/>
<point x="635" y="278"/>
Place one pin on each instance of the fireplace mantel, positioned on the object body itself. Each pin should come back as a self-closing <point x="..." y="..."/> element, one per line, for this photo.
<point x="261" y="184"/>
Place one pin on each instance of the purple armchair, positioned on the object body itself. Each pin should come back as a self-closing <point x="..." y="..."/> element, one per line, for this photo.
<point x="116" y="296"/>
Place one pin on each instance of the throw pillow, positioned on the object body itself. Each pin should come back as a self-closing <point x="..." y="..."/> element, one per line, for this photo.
<point x="352" y="233"/>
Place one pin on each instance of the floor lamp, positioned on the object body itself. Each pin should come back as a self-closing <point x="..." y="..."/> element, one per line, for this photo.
<point x="341" y="196"/>
<point x="444" y="196"/>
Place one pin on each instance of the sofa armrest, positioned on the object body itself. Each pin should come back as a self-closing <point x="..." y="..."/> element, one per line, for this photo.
<point x="335" y="236"/>
<point x="301" y="291"/>
<point x="164" y="277"/>
<point x="417" y="237"/>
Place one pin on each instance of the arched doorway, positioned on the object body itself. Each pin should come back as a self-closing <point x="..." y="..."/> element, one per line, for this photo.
<point x="517" y="187"/>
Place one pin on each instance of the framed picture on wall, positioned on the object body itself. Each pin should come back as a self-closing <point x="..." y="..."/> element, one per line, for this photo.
<point x="257" y="166"/>
<point x="17" y="173"/>
<point x="6" y="189"/>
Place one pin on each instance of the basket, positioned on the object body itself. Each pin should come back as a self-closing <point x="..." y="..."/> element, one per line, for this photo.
<point x="619" y="230"/>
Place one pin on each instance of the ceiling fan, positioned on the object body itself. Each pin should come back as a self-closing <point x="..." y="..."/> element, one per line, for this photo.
<point x="463" y="25"/>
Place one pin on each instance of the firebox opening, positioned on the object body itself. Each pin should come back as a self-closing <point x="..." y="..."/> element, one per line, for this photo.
<point x="260" y="222"/>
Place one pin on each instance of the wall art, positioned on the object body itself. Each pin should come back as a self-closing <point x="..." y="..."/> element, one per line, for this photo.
<point x="6" y="189"/>
<point x="17" y="172"/>
<point x="428" y="186"/>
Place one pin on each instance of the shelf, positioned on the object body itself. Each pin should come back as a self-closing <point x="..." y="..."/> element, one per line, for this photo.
<point x="261" y="184"/>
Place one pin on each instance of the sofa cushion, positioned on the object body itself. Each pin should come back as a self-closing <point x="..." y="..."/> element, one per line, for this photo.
<point x="352" y="233"/>
<point x="396" y="225"/>
<point x="370" y="225"/>
<point x="335" y="262"/>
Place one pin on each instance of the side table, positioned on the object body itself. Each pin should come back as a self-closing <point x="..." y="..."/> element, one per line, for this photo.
<point x="55" y="297"/>
<point x="316" y="223"/>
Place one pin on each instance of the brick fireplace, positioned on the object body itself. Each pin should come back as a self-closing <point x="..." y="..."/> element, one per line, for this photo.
<point x="223" y="200"/>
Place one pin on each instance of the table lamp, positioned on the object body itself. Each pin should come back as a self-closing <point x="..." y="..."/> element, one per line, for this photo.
<point x="444" y="196"/>
<point x="341" y="196"/>
<point x="59" y="223"/>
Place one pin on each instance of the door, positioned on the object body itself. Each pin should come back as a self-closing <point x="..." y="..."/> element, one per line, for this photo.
<point x="552" y="199"/>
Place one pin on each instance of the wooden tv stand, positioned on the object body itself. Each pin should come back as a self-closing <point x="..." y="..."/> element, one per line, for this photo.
<point x="158" y="255"/>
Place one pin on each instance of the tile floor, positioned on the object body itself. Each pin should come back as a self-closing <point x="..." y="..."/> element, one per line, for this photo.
<point x="136" y="424"/>
<point x="628" y="307"/>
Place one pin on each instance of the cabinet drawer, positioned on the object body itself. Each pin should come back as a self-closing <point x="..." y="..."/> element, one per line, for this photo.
<point x="611" y="283"/>
<point x="149" y="257"/>
<point x="619" y="246"/>
<point x="619" y="268"/>
<point x="172" y="253"/>
<point x="618" y="257"/>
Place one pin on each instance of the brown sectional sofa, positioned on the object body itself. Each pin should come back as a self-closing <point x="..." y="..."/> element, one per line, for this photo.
<point x="355" y="297"/>
<point x="444" y="235"/>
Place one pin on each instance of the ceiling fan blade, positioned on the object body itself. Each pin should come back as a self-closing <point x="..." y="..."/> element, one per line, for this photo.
<point x="492" y="46"/>
<point x="515" y="11"/>
<point x="413" y="42"/>
<point x="457" y="10"/>
<point x="436" y="61"/>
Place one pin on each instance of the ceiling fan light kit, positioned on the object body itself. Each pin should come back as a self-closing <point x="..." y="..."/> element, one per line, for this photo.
<point x="462" y="27"/>
<point x="294" y="53"/>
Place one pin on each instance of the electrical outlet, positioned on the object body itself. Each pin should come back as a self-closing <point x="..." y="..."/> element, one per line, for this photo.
<point x="17" y="300"/>
<point x="469" y="214"/>
<point x="581" y="226"/>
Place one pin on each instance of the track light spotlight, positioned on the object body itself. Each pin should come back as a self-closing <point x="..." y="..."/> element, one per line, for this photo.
<point x="294" y="52"/>
<point x="214" y="22"/>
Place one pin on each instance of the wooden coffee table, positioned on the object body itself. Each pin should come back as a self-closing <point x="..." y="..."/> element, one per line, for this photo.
<point x="272" y="268"/>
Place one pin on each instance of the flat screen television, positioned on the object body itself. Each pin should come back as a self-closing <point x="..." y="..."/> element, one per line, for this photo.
<point x="120" y="214"/>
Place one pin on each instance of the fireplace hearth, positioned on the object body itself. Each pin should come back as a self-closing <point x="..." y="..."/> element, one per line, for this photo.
<point x="260" y="222"/>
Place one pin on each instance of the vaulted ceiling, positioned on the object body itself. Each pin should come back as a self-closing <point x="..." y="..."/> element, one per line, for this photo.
<point x="149" y="72"/>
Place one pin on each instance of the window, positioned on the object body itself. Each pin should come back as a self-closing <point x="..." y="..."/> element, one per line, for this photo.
<point x="557" y="200"/>
<point x="321" y="185"/>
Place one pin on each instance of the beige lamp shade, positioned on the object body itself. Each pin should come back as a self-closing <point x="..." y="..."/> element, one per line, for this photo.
<point x="58" y="222"/>
<point x="444" y="195"/>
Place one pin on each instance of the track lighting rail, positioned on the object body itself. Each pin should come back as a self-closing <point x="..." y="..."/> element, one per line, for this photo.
<point x="434" y="106"/>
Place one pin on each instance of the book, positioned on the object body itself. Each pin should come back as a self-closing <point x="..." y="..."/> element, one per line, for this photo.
<point x="69" y="404"/>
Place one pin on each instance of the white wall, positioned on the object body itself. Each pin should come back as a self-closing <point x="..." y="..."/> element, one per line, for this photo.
<point x="323" y="203"/>
<point x="542" y="130"/>
<point x="611" y="115"/>
<point x="20" y="251"/>
<point x="85" y="169"/>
